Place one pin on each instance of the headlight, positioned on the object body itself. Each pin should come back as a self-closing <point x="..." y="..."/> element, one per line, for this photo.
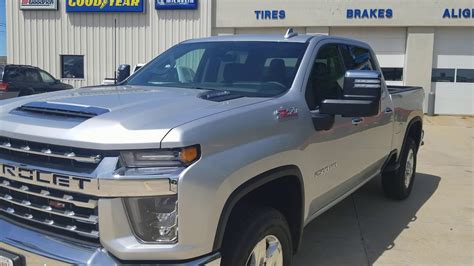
<point x="154" y="219"/>
<point x="160" y="158"/>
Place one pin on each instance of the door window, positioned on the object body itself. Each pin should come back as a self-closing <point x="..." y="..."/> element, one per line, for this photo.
<point x="32" y="75"/>
<point x="327" y="77"/>
<point x="47" y="78"/>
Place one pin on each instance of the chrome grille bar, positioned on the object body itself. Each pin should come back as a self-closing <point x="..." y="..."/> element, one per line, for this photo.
<point x="48" y="209"/>
<point x="48" y="152"/>
<point x="91" y="204"/>
<point x="51" y="223"/>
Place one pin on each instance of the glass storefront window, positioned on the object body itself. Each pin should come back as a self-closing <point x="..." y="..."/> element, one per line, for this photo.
<point x="442" y="75"/>
<point x="393" y="73"/>
<point x="465" y="75"/>
<point x="72" y="66"/>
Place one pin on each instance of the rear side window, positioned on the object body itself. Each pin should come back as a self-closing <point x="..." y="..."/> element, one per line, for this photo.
<point x="1" y="72"/>
<point x="356" y="58"/>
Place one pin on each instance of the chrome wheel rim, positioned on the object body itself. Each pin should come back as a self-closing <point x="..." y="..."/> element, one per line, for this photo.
<point x="409" y="167"/>
<point x="267" y="252"/>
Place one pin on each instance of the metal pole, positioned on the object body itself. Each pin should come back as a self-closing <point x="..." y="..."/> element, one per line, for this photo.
<point x="431" y="103"/>
<point x="115" y="51"/>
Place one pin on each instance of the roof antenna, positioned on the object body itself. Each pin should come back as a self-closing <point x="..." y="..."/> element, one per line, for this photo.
<point x="290" y="33"/>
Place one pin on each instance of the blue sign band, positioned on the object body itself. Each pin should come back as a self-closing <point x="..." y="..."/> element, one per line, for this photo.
<point x="175" y="4"/>
<point x="105" y="6"/>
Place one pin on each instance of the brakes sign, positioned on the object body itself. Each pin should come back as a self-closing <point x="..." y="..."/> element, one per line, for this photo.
<point x="39" y="4"/>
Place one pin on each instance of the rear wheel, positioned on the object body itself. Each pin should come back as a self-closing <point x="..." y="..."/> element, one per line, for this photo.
<point x="256" y="237"/>
<point x="399" y="183"/>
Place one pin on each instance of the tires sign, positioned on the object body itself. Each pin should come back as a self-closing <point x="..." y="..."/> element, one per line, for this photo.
<point x="39" y="4"/>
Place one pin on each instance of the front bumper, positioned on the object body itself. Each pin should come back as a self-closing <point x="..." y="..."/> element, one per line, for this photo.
<point x="43" y="249"/>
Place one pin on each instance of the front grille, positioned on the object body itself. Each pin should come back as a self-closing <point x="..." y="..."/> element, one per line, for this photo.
<point x="51" y="156"/>
<point x="66" y="213"/>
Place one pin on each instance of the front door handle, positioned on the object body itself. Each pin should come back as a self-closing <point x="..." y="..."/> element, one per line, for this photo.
<point x="388" y="110"/>
<point x="357" y="120"/>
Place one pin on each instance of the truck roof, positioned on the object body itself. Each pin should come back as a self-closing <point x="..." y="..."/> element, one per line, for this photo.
<point x="296" y="38"/>
<point x="257" y="38"/>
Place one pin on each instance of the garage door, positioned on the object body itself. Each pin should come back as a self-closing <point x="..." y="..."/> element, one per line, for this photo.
<point x="389" y="45"/>
<point x="453" y="70"/>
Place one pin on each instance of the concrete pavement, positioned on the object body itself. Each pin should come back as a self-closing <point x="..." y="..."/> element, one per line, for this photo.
<point x="435" y="226"/>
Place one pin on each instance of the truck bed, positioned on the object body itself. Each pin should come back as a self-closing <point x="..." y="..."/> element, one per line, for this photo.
<point x="400" y="89"/>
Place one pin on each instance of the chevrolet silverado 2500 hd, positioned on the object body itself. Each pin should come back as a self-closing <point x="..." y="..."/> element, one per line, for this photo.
<point x="219" y="151"/>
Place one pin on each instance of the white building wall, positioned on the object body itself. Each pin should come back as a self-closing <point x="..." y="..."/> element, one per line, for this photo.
<point x="39" y="37"/>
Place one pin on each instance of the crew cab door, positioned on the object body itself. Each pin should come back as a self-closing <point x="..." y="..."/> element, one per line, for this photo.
<point x="376" y="139"/>
<point x="335" y="156"/>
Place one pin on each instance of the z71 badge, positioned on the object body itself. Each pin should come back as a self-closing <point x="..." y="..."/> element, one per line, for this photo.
<point x="286" y="113"/>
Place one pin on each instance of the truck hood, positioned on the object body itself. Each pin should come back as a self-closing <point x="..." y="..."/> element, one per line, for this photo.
<point x="137" y="116"/>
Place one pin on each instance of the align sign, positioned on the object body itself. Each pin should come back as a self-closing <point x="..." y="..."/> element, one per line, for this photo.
<point x="176" y="4"/>
<point x="105" y="6"/>
<point x="39" y="4"/>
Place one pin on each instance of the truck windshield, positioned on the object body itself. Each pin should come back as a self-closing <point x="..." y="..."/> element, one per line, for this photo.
<point x="256" y="69"/>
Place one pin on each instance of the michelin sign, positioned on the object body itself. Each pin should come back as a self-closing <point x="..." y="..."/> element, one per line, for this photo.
<point x="105" y="6"/>
<point x="176" y="4"/>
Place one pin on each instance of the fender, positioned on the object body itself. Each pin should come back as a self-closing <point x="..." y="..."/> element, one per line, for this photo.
<point x="251" y="185"/>
<point x="410" y="125"/>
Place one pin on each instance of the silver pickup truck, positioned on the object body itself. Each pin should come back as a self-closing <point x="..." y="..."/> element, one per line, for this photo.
<point x="219" y="151"/>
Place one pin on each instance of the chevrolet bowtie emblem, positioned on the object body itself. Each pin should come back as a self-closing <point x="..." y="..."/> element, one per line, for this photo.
<point x="56" y="204"/>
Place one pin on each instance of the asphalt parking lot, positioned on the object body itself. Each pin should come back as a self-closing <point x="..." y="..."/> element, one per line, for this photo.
<point x="435" y="226"/>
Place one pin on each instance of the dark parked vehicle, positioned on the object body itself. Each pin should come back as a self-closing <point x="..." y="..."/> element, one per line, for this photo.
<point x="22" y="80"/>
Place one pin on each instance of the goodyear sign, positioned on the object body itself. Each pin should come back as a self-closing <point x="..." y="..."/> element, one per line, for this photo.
<point x="39" y="4"/>
<point x="105" y="5"/>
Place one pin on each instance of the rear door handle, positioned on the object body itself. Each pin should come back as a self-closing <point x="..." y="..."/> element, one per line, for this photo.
<point x="357" y="120"/>
<point x="388" y="110"/>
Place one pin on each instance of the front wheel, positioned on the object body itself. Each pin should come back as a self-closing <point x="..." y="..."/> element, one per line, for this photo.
<point x="257" y="236"/>
<point x="399" y="183"/>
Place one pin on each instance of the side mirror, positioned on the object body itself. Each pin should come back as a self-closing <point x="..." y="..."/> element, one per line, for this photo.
<point x="361" y="95"/>
<point x="123" y="72"/>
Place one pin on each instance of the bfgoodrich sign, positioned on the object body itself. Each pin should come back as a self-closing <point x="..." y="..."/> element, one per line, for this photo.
<point x="39" y="4"/>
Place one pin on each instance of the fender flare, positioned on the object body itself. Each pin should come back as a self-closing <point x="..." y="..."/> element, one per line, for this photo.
<point x="251" y="185"/>
<point x="409" y="127"/>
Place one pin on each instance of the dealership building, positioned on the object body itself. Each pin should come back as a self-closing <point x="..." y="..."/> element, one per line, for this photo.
<point x="424" y="43"/>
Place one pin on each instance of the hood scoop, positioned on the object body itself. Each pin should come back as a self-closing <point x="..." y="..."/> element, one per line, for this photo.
<point x="62" y="109"/>
<point x="219" y="96"/>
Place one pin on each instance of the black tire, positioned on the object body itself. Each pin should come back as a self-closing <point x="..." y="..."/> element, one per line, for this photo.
<point x="250" y="225"/>
<point x="394" y="182"/>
